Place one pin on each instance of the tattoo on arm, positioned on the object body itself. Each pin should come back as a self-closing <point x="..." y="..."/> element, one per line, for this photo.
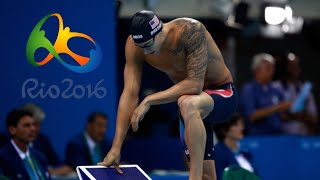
<point x="195" y="44"/>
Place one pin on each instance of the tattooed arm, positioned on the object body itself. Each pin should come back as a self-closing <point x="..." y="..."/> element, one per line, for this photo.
<point x="195" y="46"/>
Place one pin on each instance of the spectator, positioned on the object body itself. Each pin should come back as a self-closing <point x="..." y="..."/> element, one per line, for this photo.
<point x="89" y="147"/>
<point x="227" y="151"/>
<point x="305" y="121"/>
<point x="261" y="104"/>
<point x="17" y="159"/>
<point x="43" y="143"/>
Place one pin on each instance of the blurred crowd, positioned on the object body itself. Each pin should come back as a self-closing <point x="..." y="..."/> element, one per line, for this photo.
<point x="267" y="106"/>
<point x="26" y="152"/>
<point x="282" y="106"/>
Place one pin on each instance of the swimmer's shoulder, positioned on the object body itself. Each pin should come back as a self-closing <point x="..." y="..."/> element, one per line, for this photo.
<point x="132" y="50"/>
<point x="185" y="21"/>
<point x="185" y="24"/>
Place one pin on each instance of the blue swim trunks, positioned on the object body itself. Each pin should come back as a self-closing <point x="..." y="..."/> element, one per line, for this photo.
<point x="225" y="99"/>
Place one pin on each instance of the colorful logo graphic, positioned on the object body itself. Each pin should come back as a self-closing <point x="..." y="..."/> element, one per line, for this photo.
<point x="38" y="40"/>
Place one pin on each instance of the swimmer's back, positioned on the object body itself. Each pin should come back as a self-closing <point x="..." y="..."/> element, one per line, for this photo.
<point x="217" y="72"/>
<point x="172" y="57"/>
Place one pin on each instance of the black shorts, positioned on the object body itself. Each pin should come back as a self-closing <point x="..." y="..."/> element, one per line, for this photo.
<point x="225" y="99"/>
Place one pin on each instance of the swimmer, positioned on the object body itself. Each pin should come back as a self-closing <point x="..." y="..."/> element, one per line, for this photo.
<point x="203" y="87"/>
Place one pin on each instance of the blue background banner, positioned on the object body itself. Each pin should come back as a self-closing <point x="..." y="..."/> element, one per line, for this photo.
<point x="67" y="97"/>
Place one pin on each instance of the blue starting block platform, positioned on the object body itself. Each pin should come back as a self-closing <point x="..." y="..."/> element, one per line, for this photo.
<point x="130" y="172"/>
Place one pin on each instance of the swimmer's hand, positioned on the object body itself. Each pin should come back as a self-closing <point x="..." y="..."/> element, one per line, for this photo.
<point x="112" y="159"/>
<point x="138" y="115"/>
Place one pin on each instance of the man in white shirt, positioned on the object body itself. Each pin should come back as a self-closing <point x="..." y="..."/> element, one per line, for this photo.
<point x="17" y="160"/>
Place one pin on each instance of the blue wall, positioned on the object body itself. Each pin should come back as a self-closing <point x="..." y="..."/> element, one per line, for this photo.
<point x="64" y="116"/>
<point x="273" y="157"/>
<point x="285" y="157"/>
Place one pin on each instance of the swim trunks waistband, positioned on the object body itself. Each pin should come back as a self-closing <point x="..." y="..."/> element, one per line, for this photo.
<point x="223" y="86"/>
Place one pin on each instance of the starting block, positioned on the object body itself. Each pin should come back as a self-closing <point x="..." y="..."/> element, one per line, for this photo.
<point x="130" y="172"/>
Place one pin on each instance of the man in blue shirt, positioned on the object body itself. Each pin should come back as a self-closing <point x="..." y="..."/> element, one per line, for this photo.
<point x="261" y="104"/>
<point x="88" y="147"/>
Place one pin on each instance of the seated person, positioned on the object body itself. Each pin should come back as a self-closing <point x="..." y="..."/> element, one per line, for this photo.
<point x="17" y="159"/>
<point x="227" y="151"/>
<point x="43" y="144"/>
<point x="89" y="147"/>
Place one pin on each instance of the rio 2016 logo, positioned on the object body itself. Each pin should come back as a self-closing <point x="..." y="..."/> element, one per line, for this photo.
<point x="38" y="40"/>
